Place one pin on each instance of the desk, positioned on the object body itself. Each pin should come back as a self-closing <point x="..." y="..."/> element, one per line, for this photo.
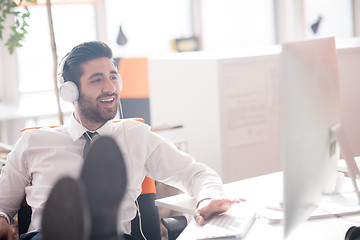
<point x="14" y="112"/>
<point x="13" y="117"/>
<point x="258" y="191"/>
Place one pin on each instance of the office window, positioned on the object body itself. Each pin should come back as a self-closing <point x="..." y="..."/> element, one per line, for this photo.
<point x="336" y="18"/>
<point x="234" y="23"/>
<point x="73" y="24"/>
<point x="149" y="25"/>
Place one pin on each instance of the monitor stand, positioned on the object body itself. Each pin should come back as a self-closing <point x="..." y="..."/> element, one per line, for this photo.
<point x="332" y="204"/>
<point x="348" y="156"/>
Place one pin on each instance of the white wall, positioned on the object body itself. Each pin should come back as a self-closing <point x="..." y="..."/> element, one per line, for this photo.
<point x="185" y="92"/>
<point x="349" y="74"/>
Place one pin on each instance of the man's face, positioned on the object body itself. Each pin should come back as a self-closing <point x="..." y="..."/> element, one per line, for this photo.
<point x="99" y="91"/>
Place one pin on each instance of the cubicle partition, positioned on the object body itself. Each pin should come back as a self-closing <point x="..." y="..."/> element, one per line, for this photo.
<point x="229" y="105"/>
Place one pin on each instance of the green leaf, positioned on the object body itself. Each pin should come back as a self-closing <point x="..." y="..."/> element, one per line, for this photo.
<point x="9" y="8"/>
<point x="13" y="4"/>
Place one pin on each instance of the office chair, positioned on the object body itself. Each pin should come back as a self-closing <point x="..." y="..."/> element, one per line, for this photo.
<point x="353" y="233"/>
<point x="148" y="211"/>
<point x="149" y="214"/>
<point x="175" y="225"/>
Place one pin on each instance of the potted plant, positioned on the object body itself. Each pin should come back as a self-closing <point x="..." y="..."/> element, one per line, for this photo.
<point x="10" y="8"/>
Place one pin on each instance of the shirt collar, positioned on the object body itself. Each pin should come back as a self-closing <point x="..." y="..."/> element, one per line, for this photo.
<point x="76" y="130"/>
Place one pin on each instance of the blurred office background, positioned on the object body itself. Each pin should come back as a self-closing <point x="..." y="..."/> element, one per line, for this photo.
<point x="151" y="27"/>
<point x="159" y="27"/>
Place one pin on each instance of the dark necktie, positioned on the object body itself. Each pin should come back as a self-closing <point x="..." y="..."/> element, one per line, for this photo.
<point x="89" y="137"/>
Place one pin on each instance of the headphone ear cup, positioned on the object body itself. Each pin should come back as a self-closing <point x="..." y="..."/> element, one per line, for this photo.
<point x="120" y="81"/>
<point x="69" y="91"/>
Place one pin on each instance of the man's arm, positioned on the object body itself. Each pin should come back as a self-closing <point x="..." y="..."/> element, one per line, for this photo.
<point x="12" y="184"/>
<point x="178" y="169"/>
<point x="6" y="232"/>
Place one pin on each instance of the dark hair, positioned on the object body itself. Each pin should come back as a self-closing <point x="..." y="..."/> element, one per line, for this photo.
<point x="72" y="70"/>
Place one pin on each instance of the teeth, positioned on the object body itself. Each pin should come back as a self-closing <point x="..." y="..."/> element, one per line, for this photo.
<point x="107" y="100"/>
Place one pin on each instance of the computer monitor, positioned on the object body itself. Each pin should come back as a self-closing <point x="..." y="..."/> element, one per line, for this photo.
<point x="311" y="107"/>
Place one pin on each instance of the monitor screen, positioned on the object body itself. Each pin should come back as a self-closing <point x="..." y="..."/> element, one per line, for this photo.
<point x="311" y="106"/>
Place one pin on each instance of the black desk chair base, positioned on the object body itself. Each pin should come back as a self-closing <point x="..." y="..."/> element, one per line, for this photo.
<point x="174" y="225"/>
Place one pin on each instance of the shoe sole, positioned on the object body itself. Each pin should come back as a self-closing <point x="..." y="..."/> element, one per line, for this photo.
<point x="104" y="177"/>
<point x="65" y="215"/>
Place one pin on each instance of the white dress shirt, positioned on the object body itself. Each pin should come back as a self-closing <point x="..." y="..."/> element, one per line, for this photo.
<point x="41" y="157"/>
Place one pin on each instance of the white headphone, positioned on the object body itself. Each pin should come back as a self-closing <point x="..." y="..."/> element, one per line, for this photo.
<point x="68" y="90"/>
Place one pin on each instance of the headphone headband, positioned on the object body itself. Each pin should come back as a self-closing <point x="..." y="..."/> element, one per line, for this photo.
<point x="68" y="90"/>
<point x="60" y="70"/>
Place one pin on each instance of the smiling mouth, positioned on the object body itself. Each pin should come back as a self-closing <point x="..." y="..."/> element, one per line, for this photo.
<point x="107" y="100"/>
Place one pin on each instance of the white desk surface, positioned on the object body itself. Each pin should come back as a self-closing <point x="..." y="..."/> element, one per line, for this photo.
<point x="14" y="112"/>
<point x="258" y="191"/>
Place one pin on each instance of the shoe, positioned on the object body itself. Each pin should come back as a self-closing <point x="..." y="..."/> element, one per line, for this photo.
<point x="104" y="177"/>
<point x="65" y="215"/>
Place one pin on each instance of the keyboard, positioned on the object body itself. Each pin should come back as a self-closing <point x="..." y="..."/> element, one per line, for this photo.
<point x="234" y="224"/>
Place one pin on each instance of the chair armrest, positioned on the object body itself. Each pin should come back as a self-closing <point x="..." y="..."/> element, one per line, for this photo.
<point x="175" y="225"/>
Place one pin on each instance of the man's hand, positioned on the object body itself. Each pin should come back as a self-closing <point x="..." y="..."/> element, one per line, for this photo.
<point x="6" y="232"/>
<point x="210" y="207"/>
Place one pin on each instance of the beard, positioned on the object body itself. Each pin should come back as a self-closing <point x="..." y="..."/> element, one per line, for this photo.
<point x="91" y="110"/>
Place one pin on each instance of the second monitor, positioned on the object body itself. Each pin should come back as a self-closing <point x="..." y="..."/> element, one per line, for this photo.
<point x="311" y="108"/>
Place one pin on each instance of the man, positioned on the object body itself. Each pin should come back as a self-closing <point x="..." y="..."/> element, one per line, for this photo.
<point x="41" y="157"/>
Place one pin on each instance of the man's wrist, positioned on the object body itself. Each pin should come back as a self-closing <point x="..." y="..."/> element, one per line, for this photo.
<point x="198" y="205"/>
<point x="4" y="217"/>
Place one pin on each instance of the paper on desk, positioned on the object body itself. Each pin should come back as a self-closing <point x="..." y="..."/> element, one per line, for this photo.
<point x="246" y="103"/>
